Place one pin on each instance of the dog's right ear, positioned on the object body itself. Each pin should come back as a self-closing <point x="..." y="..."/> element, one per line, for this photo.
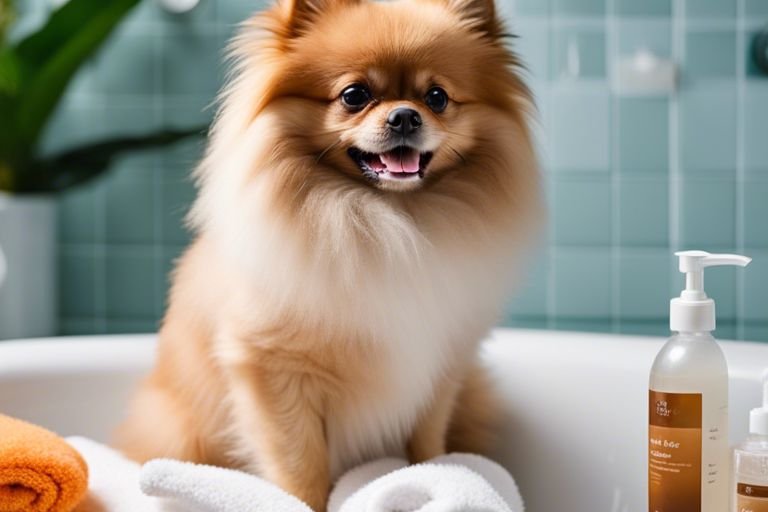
<point x="298" y="14"/>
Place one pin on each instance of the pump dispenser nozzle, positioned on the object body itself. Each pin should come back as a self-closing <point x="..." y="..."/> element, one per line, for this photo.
<point x="693" y="311"/>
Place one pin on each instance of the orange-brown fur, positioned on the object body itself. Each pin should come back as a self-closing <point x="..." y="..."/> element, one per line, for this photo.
<point x="311" y="299"/>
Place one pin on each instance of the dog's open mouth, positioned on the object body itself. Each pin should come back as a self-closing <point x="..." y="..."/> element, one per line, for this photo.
<point x="401" y="163"/>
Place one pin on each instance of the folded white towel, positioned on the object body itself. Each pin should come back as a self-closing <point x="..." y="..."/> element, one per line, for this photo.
<point x="451" y="483"/>
<point x="113" y="480"/>
<point x="202" y="488"/>
<point x="456" y="482"/>
<point x="493" y="473"/>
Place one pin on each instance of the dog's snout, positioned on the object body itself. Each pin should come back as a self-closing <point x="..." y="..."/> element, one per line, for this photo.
<point x="404" y="121"/>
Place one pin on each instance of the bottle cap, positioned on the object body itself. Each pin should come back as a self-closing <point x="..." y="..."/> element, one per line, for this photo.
<point x="693" y="311"/>
<point x="758" y="418"/>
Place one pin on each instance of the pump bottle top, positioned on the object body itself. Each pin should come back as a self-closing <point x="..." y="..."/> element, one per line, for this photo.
<point x="693" y="311"/>
<point x="758" y="418"/>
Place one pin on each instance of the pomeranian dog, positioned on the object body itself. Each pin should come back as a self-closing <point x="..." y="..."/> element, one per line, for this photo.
<point x="369" y="188"/>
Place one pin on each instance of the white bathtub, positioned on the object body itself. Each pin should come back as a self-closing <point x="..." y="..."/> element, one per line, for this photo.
<point x="575" y="404"/>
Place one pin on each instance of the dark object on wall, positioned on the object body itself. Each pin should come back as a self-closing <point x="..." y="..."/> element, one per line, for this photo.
<point x="760" y="50"/>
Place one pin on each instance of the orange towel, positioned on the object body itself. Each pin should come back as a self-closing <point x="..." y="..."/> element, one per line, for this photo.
<point x="39" y="471"/>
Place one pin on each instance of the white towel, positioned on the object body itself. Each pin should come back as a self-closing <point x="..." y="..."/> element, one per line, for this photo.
<point x="493" y="473"/>
<point x="456" y="482"/>
<point x="451" y="483"/>
<point x="113" y="480"/>
<point x="200" y="488"/>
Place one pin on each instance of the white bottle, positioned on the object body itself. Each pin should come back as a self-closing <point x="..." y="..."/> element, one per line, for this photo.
<point x="750" y="462"/>
<point x="688" y="454"/>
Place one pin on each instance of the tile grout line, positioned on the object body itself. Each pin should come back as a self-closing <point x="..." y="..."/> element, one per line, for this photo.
<point x="612" y="56"/>
<point x="674" y="173"/>
<point x="675" y="188"/>
<point x="740" y="163"/>
<point x="547" y="84"/>
<point x="100" y="235"/>
<point x="159" y="169"/>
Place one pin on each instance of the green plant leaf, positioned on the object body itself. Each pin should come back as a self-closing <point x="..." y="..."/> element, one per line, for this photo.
<point x="50" y="57"/>
<point x="9" y="73"/>
<point x="78" y="165"/>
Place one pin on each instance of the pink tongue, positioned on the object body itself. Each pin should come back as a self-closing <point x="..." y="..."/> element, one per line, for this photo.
<point x="401" y="161"/>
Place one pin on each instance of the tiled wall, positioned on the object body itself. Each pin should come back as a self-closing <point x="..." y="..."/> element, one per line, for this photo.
<point x="629" y="179"/>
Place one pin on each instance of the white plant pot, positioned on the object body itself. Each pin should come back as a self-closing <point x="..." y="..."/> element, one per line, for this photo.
<point x="28" y="240"/>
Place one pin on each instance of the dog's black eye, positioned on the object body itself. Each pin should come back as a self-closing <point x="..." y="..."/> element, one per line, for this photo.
<point x="356" y="96"/>
<point x="436" y="99"/>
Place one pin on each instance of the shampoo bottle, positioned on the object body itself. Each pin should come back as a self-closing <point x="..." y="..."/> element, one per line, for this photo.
<point x="750" y="462"/>
<point x="688" y="453"/>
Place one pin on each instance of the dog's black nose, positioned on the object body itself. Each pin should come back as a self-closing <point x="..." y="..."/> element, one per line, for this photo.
<point x="404" y="121"/>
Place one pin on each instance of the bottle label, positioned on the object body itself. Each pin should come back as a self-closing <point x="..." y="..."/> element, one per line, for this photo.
<point x="674" y="452"/>
<point x="751" y="498"/>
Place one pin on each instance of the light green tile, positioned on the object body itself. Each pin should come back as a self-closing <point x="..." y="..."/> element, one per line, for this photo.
<point x="708" y="215"/>
<point x="644" y="211"/>
<point x="525" y="323"/>
<point x="710" y="9"/>
<point x="645" y="328"/>
<point x="529" y="298"/>
<point x="755" y="127"/>
<point x="71" y="126"/>
<point x="141" y="326"/>
<point x="644" y="7"/>
<point x="192" y="64"/>
<point x="574" y="324"/>
<point x="188" y="112"/>
<point x="176" y="200"/>
<point x="643" y="284"/>
<point x="127" y="64"/>
<point x="130" y="212"/>
<point x="78" y="266"/>
<point x="131" y="290"/>
<point x="137" y="116"/>
<point x="201" y="19"/>
<point x="79" y="326"/>
<point x="726" y="330"/>
<point x="578" y="53"/>
<point x="579" y="7"/>
<point x="580" y="130"/>
<point x="756" y="287"/>
<point x="709" y="54"/>
<point x="643" y="135"/>
<point x="755" y="209"/>
<point x="178" y="161"/>
<point x="755" y="8"/>
<point x="532" y="45"/>
<point x="583" y="211"/>
<point x="77" y="214"/>
<point x="583" y="280"/>
<point x="233" y="12"/>
<point x="654" y="35"/>
<point x="756" y="331"/>
<point x="708" y="129"/>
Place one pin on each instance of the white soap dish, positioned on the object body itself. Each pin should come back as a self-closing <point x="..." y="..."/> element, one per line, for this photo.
<point x="644" y="74"/>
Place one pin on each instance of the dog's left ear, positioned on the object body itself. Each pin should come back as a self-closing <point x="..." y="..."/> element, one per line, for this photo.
<point x="480" y="13"/>
<point x="297" y="14"/>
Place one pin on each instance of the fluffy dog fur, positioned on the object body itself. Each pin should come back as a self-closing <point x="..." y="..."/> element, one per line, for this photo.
<point x="321" y="318"/>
